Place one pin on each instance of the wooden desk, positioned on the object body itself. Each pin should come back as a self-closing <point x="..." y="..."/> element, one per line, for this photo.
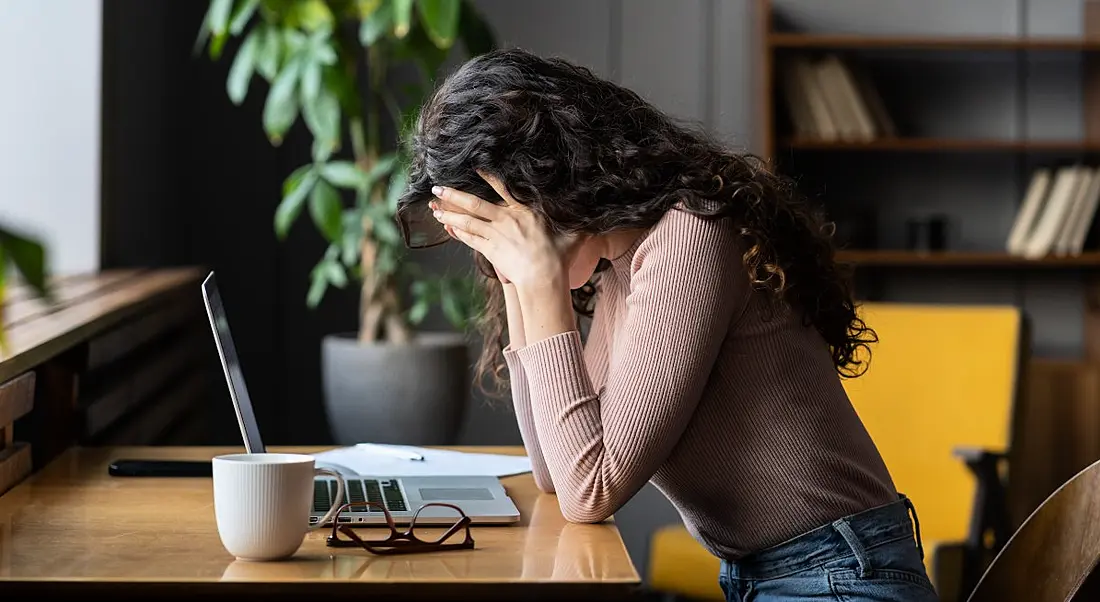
<point x="72" y="529"/>
<point x="120" y="357"/>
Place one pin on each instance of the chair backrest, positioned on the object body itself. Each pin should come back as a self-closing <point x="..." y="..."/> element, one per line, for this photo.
<point x="1051" y="555"/>
<point x="940" y="377"/>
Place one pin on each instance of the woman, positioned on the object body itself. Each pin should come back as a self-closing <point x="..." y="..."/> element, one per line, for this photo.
<point x="721" y="326"/>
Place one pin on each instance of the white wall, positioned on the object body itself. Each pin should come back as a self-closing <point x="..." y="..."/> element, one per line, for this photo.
<point x="49" y="126"/>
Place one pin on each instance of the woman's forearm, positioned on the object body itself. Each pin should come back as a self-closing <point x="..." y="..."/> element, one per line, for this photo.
<point x="516" y="337"/>
<point x="547" y="310"/>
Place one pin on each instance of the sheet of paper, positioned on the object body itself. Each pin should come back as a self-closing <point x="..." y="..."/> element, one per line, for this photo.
<point x="392" y="461"/>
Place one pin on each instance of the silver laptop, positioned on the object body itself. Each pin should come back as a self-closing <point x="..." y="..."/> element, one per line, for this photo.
<point x="482" y="498"/>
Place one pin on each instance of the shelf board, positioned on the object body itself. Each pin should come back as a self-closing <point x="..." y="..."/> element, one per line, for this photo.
<point x="859" y="41"/>
<point x="945" y="144"/>
<point x="963" y="259"/>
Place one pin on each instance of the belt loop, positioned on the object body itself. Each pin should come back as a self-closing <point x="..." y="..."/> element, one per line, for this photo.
<point x="860" y="552"/>
<point x="916" y="524"/>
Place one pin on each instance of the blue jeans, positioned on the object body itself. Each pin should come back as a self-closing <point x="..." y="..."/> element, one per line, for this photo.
<point x="872" y="556"/>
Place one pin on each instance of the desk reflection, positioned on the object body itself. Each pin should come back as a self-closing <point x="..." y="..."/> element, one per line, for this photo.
<point x="552" y="550"/>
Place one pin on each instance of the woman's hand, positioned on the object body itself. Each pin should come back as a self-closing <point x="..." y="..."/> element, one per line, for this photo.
<point x="510" y="236"/>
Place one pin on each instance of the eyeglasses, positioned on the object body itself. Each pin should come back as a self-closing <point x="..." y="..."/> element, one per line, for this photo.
<point x="406" y="542"/>
<point x="419" y="228"/>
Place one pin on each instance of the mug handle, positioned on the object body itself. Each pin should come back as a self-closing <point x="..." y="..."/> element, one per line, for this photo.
<point x="337" y="503"/>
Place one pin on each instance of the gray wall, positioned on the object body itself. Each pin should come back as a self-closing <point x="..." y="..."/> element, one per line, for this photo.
<point x="696" y="59"/>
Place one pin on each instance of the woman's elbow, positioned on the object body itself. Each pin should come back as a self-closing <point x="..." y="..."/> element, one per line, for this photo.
<point x="586" y="513"/>
<point x="544" y="484"/>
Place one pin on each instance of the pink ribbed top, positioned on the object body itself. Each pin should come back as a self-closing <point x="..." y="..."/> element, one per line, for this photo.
<point x="738" y="417"/>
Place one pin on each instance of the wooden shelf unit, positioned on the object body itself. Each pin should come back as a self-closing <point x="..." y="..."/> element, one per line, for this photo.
<point x="903" y="144"/>
<point x="774" y="145"/>
<point x="964" y="259"/>
<point x="810" y="41"/>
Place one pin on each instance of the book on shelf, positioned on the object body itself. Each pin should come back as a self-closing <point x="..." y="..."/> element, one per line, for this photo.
<point x="1056" y="213"/>
<point x="831" y="99"/>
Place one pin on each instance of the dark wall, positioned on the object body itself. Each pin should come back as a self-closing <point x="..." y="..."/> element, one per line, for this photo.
<point x="190" y="179"/>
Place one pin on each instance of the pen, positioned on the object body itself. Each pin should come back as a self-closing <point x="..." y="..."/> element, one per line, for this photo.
<point x="398" y="453"/>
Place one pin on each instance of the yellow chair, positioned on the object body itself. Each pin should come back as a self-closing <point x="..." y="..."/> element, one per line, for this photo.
<point x="938" y="398"/>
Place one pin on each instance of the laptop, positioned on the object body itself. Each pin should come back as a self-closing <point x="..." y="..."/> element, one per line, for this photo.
<point x="481" y="497"/>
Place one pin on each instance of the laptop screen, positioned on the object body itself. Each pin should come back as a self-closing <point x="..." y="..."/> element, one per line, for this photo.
<point x="234" y="377"/>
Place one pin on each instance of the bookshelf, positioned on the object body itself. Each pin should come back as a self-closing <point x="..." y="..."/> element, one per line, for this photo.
<point x="856" y="42"/>
<point x="785" y="142"/>
<point x="964" y="259"/>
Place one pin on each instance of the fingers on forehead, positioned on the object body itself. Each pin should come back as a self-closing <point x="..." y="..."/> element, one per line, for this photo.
<point x="462" y="199"/>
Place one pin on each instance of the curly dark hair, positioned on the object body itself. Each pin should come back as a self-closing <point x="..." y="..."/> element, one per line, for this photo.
<point x="592" y="157"/>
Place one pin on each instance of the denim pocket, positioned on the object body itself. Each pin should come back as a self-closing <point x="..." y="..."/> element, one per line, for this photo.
<point x="891" y="585"/>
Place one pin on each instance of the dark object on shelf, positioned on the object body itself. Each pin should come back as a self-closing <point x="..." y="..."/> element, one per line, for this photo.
<point x="928" y="234"/>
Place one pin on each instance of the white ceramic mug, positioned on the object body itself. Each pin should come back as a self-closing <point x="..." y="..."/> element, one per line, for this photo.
<point x="262" y="503"/>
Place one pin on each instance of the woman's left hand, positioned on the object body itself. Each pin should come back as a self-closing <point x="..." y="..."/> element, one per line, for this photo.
<point x="510" y="236"/>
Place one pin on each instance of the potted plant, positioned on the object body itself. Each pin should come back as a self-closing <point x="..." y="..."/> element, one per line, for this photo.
<point x="25" y="256"/>
<point x="334" y="64"/>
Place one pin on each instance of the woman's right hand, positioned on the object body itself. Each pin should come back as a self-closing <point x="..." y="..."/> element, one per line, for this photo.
<point x="503" y="280"/>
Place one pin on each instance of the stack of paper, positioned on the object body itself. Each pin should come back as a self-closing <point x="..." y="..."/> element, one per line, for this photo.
<point x="397" y="461"/>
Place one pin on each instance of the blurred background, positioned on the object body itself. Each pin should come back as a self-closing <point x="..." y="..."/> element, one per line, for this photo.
<point x="953" y="141"/>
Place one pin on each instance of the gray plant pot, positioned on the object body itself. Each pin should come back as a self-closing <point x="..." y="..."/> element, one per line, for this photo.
<point x="414" y="394"/>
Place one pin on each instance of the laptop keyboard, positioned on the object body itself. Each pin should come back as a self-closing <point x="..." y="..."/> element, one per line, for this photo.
<point x="381" y="491"/>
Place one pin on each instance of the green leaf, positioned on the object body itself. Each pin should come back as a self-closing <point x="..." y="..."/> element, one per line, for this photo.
<point x="322" y="116"/>
<point x="385" y="230"/>
<point x="217" y="43"/>
<point x="291" y="183"/>
<point x="311" y="81"/>
<point x="381" y="168"/>
<point x="217" y="15"/>
<point x="419" y="311"/>
<point x="318" y="284"/>
<point x="335" y="274"/>
<point x="311" y="15"/>
<point x="353" y="236"/>
<point x="242" y="15"/>
<point x="295" y="189"/>
<point x="440" y="20"/>
<point x="420" y="288"/>
<point x="29" y="257"/>
<point x="240" y="74"/>
<point x="216" y="23"/>
<point x="366" y="8"/>
<point x="294" y="41"/>
<point x="321" y="50"/>
<point x="476" y="34"/>
<point x="326" y="209"/>
<point x="321" y="149"/>
<point x="402" y="17"/>
<point x="376" y="24"/>
<point x="343" y="174"/>
<point x="398" y="182"/>
<point x="281" y="107"/>
<point x="452" y="306"/>
<point x="383" y="225"/>
<point x="268" y="52"/>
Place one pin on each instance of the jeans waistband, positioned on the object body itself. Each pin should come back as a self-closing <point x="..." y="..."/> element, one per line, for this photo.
<point x="845" y="537"/>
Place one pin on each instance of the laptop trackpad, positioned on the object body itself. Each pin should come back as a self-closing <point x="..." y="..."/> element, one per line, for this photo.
<point x="457" y="494"/>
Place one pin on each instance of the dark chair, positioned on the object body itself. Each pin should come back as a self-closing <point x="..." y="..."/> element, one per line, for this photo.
<point x="1052" y="555"/>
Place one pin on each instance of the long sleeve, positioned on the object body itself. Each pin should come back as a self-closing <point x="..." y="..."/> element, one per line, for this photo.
<point x="521" y="402"/>
<point x="600" y="449"/>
